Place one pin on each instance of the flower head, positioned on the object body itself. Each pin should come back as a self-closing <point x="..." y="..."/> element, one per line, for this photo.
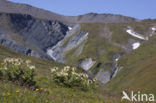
<point x="36" y="89"/>
<point x="17" y="91"/>
<point x="32" y="67"/>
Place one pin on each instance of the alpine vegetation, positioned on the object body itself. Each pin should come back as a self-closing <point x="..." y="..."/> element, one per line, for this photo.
<point x="70" y="77"/>
<point x="18" y="70"/>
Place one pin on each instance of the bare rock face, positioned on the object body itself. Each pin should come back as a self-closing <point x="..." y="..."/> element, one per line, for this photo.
<point x="70" y="41"/>
<point x="29" y="35"/>
<point x="103" y="76"/>
<point x="87" y="63"/>
<point x="76" y="40"/>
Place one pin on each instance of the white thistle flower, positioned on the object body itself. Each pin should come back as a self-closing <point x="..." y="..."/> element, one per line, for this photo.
<point x="32" y="67"/>
<point x="28" y="61"/>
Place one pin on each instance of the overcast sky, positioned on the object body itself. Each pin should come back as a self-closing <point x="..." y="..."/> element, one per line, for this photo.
<point x="141" y="9"/>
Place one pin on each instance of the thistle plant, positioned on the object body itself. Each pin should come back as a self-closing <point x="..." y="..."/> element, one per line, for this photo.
<point x="18" y="70"/>
<point x="70" y="77"/>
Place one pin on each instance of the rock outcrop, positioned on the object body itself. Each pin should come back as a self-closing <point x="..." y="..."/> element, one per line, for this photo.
<point x="29" y="35"/>
<point x="87" y="63"/>
<point x="71" y="41"/>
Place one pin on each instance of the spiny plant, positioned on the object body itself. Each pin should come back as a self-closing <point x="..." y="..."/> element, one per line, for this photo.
<point x="70" y="77"/>
<point x="18" y="70"/>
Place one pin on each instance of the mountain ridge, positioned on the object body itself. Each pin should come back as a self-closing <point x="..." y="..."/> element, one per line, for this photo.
<point x="11" y="7"/>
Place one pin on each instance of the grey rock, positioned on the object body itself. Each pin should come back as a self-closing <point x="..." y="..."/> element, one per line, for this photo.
<point x="103" y="76"/>
<point x="116" y="70"/>
<point x="79" y="49"/>
<point x="76" y="40"/>
<point x="58" y="51"/>
<point x="87" y="63"/>
<point x="30" y="35"/>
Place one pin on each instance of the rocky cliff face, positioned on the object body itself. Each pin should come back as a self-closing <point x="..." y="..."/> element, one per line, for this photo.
<point x="73" y="39"/>
<point x="29" y="35"/>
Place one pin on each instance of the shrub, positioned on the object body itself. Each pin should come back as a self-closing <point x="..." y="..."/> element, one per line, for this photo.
<point x="70" y="77"/>
<point x="18" y="70"/>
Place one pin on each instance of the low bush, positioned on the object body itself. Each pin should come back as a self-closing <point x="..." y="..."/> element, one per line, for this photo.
<point x="18" y="70"/>
<point x="70" y="77"/>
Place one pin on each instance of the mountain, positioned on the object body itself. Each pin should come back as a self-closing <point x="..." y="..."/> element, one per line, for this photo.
<point x="93" y="46"/>
<point x="118" y="51"/>
<point x="10" y="7"/>
<point x="103" y="18"/>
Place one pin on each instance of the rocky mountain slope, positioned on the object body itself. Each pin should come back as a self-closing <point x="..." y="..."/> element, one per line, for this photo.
<point x="105" y="44"/>
<point x="29" y="35"/>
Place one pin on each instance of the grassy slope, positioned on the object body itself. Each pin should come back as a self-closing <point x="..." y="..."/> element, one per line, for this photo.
<point x="42" y="65"/>
<point x="56" y="94"/>
<point x="139" y="70"/>
<point x="97" y="47"/>
<point x="139" y="66"/>
<point x="106" y="39"/>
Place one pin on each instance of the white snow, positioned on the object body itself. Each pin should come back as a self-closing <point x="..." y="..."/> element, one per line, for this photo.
<point x="116" y="59"/>
<point x="70" y="28"/>
<point x="153" y="28"/>
<point x="135" y="45"/>
<point x="131" y="32"/>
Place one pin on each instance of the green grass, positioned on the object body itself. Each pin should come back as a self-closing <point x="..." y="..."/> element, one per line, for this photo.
<point x="97" y="47"/>
<point x="143" y="27"/>
<point x="102" y="40"/>
<point x="139" y="68"/>
<point x="52" y="93"/>
<point x="119" y="34"/>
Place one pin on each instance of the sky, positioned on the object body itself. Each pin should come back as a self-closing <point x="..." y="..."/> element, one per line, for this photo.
<point x="141" y="9"/>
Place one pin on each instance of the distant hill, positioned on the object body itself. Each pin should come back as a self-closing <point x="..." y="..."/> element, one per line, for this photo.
<point x="10" y="7"/>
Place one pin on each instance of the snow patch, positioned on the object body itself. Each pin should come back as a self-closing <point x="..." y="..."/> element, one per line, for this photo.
<point x="134" y="34"/>
<point x="135" y="45"/>
<point x="70" y="28"/>
<point x="116" y="59"/>
<point x="153" y="28"/>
